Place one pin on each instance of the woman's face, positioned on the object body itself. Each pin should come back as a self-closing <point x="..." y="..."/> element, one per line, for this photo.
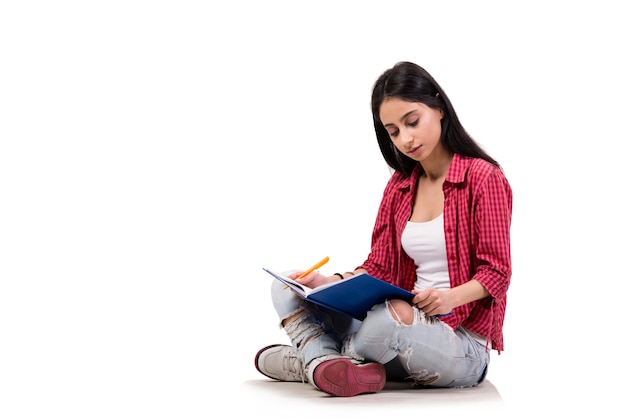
<point x="414" y="128"/>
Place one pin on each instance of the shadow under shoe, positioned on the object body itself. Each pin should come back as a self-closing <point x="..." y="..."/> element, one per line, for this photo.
<point x="347" y="377"/>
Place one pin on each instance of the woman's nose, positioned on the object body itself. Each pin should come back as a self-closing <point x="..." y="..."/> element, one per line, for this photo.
<point x="406" y="137"/>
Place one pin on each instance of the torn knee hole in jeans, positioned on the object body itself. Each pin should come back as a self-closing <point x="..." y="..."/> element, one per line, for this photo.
<point x="302" y="327"/>
<point x="397" y="316"/>
<point x="417" y="316"/>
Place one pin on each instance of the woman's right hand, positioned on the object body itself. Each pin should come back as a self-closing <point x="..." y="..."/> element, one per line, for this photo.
<point x="314" y="279"/>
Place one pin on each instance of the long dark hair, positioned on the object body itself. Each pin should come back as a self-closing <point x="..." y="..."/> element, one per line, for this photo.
<point x="410" y="82"/>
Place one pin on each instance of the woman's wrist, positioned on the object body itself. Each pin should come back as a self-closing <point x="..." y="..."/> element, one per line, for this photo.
<point x="344" y="275"/>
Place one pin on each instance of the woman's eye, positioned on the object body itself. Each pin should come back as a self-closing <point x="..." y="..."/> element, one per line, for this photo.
<point x="413" y="123"/>
<point x="393" y="133"/>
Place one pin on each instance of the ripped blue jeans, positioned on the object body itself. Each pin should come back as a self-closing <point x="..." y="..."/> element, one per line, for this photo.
<point x="427" y="352"/>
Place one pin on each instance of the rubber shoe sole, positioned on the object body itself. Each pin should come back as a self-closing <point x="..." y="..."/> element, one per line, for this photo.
<point x="341" y="377"/>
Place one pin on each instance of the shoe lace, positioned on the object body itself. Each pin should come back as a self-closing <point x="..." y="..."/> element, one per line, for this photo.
<point x="294" y="366"/>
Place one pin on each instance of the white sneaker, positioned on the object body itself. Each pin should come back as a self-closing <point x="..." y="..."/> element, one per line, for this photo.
<point x="279" y="362"/>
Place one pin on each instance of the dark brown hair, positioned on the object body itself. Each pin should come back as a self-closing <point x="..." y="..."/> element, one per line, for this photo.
<point x="410" y="82"/>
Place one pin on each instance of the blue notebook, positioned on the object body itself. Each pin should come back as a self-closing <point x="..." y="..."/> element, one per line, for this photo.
<point x="352" y="296"/>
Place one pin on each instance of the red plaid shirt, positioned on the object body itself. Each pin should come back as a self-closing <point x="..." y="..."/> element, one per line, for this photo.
<point x="477" y="219"/>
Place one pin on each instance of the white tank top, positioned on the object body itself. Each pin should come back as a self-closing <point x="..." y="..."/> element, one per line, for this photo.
<point x="425" y="243"/>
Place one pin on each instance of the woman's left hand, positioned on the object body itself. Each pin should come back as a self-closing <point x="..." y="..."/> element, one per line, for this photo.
<point x="433" y="301"/>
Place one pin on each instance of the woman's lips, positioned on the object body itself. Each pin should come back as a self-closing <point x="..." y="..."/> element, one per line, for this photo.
<point x="415" y="150"/>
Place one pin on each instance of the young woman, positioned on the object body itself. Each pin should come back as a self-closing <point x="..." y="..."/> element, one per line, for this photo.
<point x="442" y="231"/>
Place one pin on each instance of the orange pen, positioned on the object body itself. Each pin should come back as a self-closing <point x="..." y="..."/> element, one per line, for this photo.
<point x="316" y="266"/>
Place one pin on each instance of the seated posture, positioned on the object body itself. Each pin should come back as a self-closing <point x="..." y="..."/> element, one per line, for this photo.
<point x="442" y="231"/>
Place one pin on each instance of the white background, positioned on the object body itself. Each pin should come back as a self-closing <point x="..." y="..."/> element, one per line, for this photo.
<point x="155" y="155"/>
